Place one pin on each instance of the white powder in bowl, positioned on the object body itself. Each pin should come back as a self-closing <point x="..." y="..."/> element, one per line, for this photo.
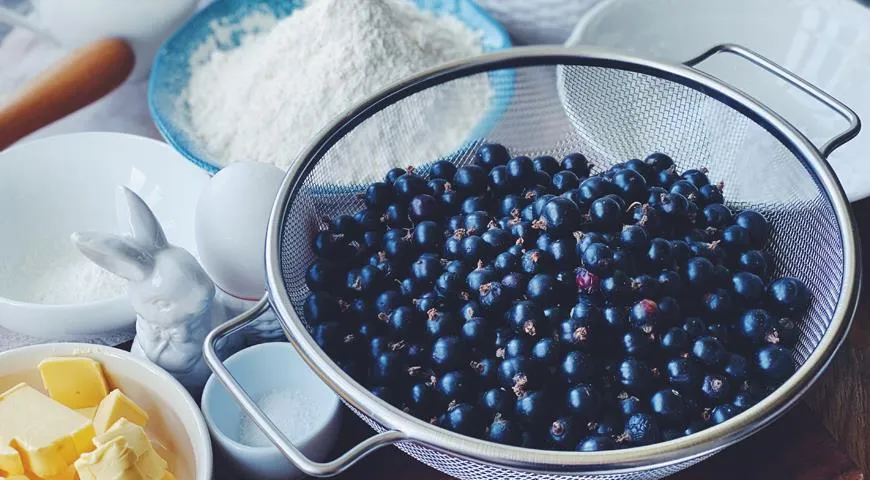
<point x="56" y="273"/>
<point x="295" y="412"/>
<point x="268" y="98"/>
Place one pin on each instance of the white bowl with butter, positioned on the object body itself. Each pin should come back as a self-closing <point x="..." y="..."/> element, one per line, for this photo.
<point x="174" y="426"/>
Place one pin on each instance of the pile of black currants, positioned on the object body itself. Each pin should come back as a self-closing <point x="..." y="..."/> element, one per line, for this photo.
<point x="528" y="302"/>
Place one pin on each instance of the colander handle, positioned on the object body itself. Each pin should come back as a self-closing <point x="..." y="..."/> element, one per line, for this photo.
<point x="308" y="466"/>
<point x="839" y="107"/>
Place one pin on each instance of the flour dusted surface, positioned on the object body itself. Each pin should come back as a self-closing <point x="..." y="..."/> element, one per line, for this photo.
<point x="268" y="98"/>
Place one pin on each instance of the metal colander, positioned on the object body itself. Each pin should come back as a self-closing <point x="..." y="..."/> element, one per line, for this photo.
<point x="552" y="101"/>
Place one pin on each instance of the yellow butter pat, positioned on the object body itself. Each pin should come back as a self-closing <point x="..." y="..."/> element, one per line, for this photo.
<point x="87" y="412"/>
<point x="77" y="382"/>
<point x="10" y="461"/>
<point x="152" y="466"/>
<point x="115" y="406"/>
<point x="168" y="476"/>
<point x="48" y="436"/>
<point x="137" y="439"/>
<point x="68" y="474"/>
<point x="115" y="460"/>
<point x="149" y="464"/>
<point x="111" y="460"/>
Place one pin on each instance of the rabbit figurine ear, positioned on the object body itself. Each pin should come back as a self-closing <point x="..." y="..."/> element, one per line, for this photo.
<point x="143" y="225"/>
<point x="115" y="254"/>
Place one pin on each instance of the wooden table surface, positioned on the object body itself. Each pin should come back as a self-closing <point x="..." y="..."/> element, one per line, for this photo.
<point x="827" y="437"/>
<point x="842" y="396"/>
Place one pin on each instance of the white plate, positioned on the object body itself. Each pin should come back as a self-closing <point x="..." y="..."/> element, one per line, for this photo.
<point x="826" y="42"/>
<point x="52" y="187"/>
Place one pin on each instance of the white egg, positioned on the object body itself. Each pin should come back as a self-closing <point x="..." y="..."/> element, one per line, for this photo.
<point x="231" y="220"/>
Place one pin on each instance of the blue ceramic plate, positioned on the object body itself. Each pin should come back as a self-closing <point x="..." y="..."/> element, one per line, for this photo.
<point x="170" y="73"/>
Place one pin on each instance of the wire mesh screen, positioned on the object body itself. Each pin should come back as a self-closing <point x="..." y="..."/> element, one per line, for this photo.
<point x="469" y="470"/>
<point x="610" y="115"/>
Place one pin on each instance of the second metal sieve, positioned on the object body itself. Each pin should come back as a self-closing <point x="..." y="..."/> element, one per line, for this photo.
<point x="610" y="107"/>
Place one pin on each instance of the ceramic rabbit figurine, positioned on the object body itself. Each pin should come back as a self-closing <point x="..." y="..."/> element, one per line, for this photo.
<point x="170" y="292"/>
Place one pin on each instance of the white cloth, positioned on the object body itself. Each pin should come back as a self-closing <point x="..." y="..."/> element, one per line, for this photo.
<point x="124" y="110"/>
<point x="22" y="57"/>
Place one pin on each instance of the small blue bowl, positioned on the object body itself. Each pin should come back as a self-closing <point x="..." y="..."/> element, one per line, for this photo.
<point x="170" y="73"/>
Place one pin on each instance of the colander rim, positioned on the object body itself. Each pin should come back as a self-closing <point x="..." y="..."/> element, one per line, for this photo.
<point x="608" y="462"/>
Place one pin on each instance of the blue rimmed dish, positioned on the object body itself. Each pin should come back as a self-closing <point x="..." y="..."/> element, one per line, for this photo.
<point x="171" y="72"/>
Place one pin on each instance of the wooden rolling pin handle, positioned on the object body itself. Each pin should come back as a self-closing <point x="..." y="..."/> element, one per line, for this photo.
<point x="76" y="81"/>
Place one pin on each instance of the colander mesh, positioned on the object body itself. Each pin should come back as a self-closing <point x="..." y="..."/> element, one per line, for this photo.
<point x="469" y="470"/>
<point x="610" y="115"/>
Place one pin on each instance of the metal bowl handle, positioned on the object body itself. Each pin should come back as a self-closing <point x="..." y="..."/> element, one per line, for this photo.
<point x="839" y="107"/>
<point x="308" y="466"/>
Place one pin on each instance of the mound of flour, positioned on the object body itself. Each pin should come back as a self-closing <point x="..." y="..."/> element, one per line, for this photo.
<point x="267" y="99"/>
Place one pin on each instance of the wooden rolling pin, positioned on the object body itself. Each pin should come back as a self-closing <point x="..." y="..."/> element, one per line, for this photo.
<point x="76" y="81"/>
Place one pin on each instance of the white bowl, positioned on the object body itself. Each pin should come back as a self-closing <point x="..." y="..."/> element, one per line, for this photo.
<point x="261" y="369"/>
<point x="174" y="419"/>
<point x="52" y="187"/>
<point x="825" y="42"/>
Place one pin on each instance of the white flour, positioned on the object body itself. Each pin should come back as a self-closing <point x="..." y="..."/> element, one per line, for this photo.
<point x="57" y="274"/>
<point x="268" y="98"/>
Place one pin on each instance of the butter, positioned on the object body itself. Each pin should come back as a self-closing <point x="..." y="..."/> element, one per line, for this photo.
<point x="115" y="460"/>
<point x="152" y="466"/>
<point x="48" y="435"/>
<point x="115" y="406"/>
<point x="126" y="452"/>
<point x="137" y="439"/>
<point x="10" y="461"/>
<point x="168" y="476"/>
<point x="77" y="382"/>
<point x="111" y="460"/>
<point x="87" y="412"/>
<point x="68" y="474"/>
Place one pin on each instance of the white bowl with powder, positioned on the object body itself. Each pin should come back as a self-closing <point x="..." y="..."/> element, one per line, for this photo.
<point x="52" y="187"/>
<point x="303" y="408"/>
